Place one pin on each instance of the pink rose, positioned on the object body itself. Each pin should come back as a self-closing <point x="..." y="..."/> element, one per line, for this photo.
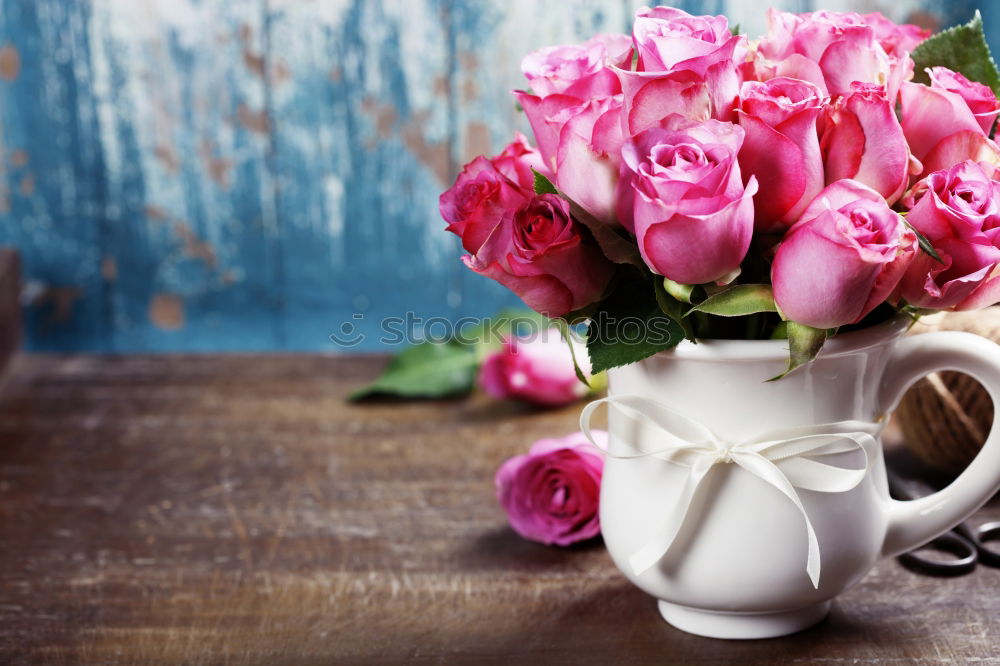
<point x="688" y="65"/>
<point x="486" y="189"/>
<point x="551" y="494"/>
<point x="941" y="128"/>
<point x="895" y="39"/>
<point x="575" y="113"/>
<point x="586" y="139"/>
<point x="958" y="210"/>
<point x="862" y="140"/>
<point x="578" y="70"/>
<point x="980" y="99"/>
<point x="669" y="39"/>
<point x="693" y="217"/>
<point x="781" y="147"/>
<point x="844" y="47"/>
<point x="536" y="369"/>
<point x="543" y="255"/>
<point x="842" y="259"/>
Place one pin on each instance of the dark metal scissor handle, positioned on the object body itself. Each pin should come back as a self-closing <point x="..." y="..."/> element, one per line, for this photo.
<point x="965" y="551"/>
<point x="981" y="537"/>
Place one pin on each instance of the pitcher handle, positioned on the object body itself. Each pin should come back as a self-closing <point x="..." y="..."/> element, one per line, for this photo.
<point x="914" y="523"/>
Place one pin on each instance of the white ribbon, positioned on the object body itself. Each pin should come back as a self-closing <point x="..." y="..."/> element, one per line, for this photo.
<point x="782" y="458"/>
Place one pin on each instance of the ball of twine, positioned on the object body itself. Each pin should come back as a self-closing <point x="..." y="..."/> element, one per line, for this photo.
<point x="945" y="417"/>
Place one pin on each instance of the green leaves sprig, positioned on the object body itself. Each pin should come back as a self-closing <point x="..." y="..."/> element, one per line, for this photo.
<point x="962" y="49"/>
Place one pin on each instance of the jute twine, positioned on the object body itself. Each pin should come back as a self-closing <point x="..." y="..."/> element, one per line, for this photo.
<point x="945" y="417"/>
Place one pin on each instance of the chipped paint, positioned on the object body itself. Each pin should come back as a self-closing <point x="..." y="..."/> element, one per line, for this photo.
<point x="27" y="186"/>
<point x="254" y="120"/>
<point x="109" y="269"/>
<point x="166" y="312"/>
<point x="10" y="62"/>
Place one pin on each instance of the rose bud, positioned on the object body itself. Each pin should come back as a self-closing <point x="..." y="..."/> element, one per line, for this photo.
<point x="844" y="47"/>
<point x="587" y="148"/>
<point x="958" y="210"/>
<point x="941" y="129"/>
<point x="563" y="77"/>
<point x="693" y="217"/>
<point x="980" y="99"/>
<point x="687" y="65"/>
<point x="578" y="70"/>
<point x="781" y="147"/>
<point x="862" y="140"/>
<point x="486" y="189"/>
<point x="536" y="369"/>
<point x="842" y="259"/>
<point x="543" y="255"/>
<point x="551" y="494"/>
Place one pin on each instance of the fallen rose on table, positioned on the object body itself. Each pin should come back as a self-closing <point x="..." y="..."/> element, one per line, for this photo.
<point x="551" y="493"/>
<point x="516" y="354"/>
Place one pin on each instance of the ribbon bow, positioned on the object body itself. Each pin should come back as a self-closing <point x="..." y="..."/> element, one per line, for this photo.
<point x="785" y="459"/>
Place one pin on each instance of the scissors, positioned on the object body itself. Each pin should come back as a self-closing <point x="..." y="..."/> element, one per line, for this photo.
<point x="966" y="543"/>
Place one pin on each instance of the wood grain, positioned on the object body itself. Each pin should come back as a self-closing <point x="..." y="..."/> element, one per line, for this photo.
<point x="10" y="305"/>
<point x="234" y="509"/>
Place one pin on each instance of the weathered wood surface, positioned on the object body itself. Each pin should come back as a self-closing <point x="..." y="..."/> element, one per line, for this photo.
<point x="10" y="305"/>
<point x="213" y="510"/>
<point x="210" y="174"/>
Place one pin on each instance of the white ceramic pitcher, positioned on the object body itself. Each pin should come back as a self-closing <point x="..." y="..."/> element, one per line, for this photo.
<point x="737" y="567"/>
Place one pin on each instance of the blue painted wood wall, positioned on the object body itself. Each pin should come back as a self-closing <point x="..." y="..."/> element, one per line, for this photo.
<point x="255" y="174"/>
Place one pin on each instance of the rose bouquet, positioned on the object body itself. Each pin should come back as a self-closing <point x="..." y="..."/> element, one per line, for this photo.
<point x="690" y="183"/>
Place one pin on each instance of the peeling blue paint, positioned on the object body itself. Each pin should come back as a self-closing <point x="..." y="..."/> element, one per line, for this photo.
<point x="202" y="175"/>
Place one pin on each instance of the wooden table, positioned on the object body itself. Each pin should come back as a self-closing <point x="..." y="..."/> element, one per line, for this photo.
<point x="235" y="510"/>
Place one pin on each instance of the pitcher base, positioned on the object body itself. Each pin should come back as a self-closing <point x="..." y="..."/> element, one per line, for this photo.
<point x="742" y="625"/>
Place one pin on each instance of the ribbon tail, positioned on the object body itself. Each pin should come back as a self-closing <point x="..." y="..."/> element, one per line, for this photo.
<point x="657" y="547"/>
<point x="765" y="470"/>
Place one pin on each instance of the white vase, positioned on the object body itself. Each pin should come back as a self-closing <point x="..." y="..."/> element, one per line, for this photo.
<point x="737" y="567"/>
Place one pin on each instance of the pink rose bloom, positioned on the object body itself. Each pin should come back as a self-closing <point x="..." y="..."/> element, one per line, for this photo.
<point x="980" y="99"/>
<point x="957" y="210"/>
<point x="543" y="255"/>
<point x="486" y="189"/>
<point x="862" y="140"/>
<point x="578" y="70"/>
<point x="536" y="369"/>
<point x="781" y="147"/>
<point x="941" y="128"/>
<point x="692" y="215"/>
<point x="585" y="139"/>
<point x="551" y="494"/>
<point x="688" y="65"/>
<point x="833" y="50"/>
<point x="843" y="258"/>
<point x="575" y="113"/>
<point x="896" y="39"/>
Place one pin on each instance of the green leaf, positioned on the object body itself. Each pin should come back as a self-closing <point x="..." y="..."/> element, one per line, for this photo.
<point x="567" y="338"/>
<point x="743" y="299"/>
<point x="804" y="342"/>
<point x="426" y="370"/>
<point x="628" y="327"/>
<point x="925" y="244"/>
<point x="962" y="49"/>
<point x="617" y="248"/>
<point x="543" y="185"/>
<point x="682" y="292"/>
<point x="671" y="307"/>
<point x="734" y="30"/>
